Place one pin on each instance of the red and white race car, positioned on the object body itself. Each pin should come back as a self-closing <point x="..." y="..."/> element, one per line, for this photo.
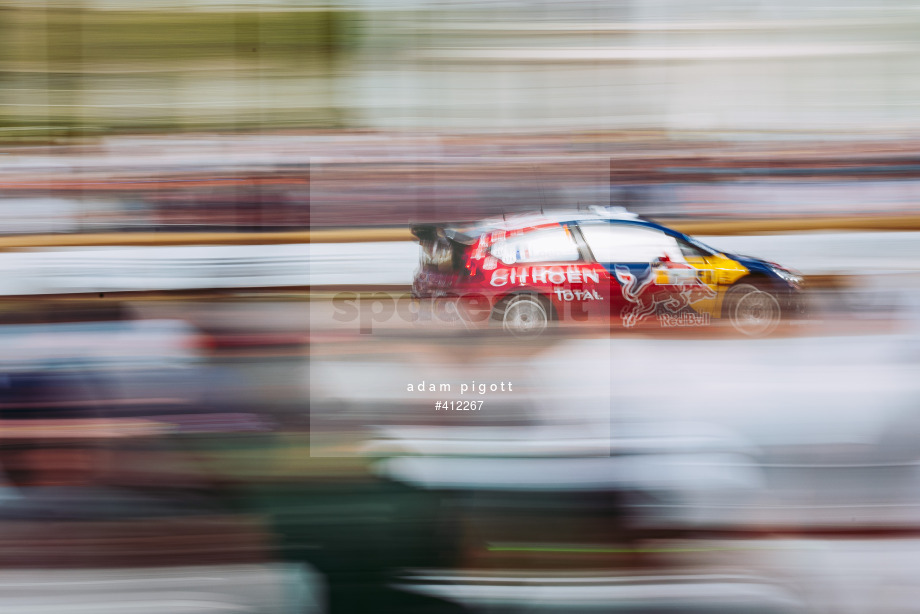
<point x="525" y="272"/>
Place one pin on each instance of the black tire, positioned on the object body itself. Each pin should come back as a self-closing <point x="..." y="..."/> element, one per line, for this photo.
<point x="523" y="315"/>
<point x="752" y="311"/>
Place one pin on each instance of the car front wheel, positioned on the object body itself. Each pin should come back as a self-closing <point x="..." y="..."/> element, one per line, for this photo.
<point x="752" y="311"/>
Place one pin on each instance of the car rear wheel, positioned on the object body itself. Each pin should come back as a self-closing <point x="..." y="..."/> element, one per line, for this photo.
<point x="524" y="315"/>
<point x="752" y="311"/>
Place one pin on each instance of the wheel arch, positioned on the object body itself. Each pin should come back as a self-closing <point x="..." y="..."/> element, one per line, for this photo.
<point x="503" y="299"/>
<point x="760" y="281"/>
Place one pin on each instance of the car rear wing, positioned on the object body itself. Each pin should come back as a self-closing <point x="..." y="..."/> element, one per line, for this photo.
<point x="442" y="247"/>
<point x="432" y="232"/>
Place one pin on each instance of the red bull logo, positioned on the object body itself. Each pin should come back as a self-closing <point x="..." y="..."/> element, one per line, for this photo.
<point x="669" y="302"/>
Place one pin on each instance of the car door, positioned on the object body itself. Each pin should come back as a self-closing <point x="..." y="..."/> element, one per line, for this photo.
<point x="550" y="262"/>
<point x="707" y="272"/>
<point x="650" y="280"/>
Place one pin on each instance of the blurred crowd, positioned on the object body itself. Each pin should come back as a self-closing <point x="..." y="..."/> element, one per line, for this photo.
<point x="290" y="182"/>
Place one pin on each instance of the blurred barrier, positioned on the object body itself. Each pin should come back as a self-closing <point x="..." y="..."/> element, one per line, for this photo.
<point x="141" y="239"/>
<point x="712" y="227"/>
<point x="126" y="269"/>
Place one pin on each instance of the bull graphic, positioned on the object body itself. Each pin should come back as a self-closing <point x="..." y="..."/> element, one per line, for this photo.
<point x="646" y="300"/>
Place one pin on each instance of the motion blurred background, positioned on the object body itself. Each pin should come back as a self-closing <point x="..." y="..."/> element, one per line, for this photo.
<point x="187" y="187"/>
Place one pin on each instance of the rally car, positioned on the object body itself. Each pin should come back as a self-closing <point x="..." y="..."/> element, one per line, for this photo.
<point x="528" y="271"/>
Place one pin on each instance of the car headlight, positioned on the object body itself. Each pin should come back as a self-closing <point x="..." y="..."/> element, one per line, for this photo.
<point x="788" y="276"/>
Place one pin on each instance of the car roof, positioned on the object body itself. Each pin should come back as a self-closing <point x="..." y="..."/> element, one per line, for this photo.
<point x="544" y="218"/>
<point x="469" y="233"/>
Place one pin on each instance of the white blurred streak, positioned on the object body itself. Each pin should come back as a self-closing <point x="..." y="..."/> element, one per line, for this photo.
<point x="556" y="440"/>
<point x="40" y="215"/>
<point x="377" y="263"/>
<point x="216" y="589"/>
<point x="108" y="345"/>
<point x="115" y="269"/>
<point x="687" y="478"/>
<point x="662" y="54"/>
<point x="642" y="593"/>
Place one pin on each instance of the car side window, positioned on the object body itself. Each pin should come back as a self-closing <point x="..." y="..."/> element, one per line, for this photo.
<point x="547" y="245"/>
<point x="628" y="243"/>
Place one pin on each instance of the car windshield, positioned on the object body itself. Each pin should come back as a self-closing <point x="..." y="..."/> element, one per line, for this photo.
<point x="696" y="242"/>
